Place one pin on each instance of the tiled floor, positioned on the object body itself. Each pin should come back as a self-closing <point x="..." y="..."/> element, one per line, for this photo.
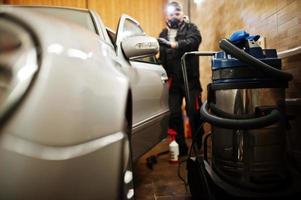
<point x="161" y="182"/>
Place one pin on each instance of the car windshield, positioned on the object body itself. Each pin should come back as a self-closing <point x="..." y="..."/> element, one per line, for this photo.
<point x="77" y="16"/>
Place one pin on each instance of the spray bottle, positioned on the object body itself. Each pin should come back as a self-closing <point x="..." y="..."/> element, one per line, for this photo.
<point x="173" y="147"/>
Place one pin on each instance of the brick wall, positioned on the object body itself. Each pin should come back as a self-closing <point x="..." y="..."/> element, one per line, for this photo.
<point x="279" y="21"/>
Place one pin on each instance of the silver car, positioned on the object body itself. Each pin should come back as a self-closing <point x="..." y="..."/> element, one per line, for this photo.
<point x="76" y="100"/>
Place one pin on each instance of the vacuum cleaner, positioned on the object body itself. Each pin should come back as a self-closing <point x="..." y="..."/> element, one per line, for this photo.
<point x="246" y="108"/>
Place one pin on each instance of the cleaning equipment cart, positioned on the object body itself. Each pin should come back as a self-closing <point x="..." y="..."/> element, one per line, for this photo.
<point x="246" y="100"/>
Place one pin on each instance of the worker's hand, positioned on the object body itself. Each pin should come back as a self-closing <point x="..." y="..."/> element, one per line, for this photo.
<point x="173" y="45"/>
<point x="164" y="42"/>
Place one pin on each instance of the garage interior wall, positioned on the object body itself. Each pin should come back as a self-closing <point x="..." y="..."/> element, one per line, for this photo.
<point x="278" y="21"/>
<point x="149" y="13"/>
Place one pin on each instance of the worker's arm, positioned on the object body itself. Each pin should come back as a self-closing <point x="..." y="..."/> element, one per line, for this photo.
<point x="192" y="40"/>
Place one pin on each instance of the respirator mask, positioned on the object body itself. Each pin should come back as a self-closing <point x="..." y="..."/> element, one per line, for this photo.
<point x="173" y="23"/>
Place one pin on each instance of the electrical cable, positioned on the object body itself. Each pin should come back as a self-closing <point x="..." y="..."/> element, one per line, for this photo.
<point x="179" y="173"/>
<point x="189" y="155"/>
<point x="205" y="188"/>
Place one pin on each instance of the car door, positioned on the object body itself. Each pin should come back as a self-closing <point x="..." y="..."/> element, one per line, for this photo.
<point x="149" y="91"/>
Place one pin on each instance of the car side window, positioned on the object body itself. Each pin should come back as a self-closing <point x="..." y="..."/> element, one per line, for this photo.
<point x="112" y="35"/>
<point x="131" y="29"/>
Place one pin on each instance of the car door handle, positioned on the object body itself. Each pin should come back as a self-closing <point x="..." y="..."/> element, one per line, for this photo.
<point x="164" y="78"/>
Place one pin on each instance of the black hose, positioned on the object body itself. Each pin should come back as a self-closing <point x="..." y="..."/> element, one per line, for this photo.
<point x="229" y="48"/>
<point x="224" y="114"/>
<point x="253" y="123"/>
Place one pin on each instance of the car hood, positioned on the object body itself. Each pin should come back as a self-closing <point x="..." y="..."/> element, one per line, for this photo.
<point x="78" y="94"/>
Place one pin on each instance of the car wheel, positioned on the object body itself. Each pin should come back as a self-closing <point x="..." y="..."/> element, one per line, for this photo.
<point x="127" y="184"/>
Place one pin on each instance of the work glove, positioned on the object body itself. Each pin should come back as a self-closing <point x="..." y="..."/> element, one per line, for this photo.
<point x="164" y="42"/>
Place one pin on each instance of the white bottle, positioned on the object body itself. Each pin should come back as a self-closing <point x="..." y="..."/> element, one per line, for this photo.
<point x="174" y="151"/>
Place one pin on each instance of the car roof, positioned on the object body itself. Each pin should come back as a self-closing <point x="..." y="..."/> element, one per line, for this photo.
<point x="48" y="6"/>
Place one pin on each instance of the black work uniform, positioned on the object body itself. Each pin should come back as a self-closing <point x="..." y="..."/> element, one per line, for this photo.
<point x="188" y="38"/>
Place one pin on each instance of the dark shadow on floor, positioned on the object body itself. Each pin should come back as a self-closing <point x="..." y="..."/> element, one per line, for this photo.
<point x="161" y="182"/>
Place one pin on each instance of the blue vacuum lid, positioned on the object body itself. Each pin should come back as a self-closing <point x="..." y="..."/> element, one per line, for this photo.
<point x="241" y="36"/>
<point x="226" y="68"/>
<point x="222" y="60"/>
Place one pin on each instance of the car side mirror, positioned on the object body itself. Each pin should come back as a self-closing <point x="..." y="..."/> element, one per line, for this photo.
<point x="138" y="46"/>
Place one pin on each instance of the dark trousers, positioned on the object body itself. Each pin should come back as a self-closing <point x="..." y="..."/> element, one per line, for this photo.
<point x="176" y="95"/>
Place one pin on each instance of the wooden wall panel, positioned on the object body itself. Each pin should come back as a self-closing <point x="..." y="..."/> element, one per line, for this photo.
<point x="68" y="3"/>
<point x="149" y="13"/>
